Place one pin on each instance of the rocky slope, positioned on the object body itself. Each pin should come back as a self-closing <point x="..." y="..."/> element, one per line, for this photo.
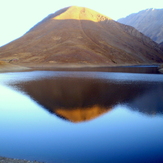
<point x="77" y="35"/>
<point x="149" y="22"/>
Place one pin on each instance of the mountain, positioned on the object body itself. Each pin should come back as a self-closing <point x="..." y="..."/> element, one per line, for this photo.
<point x="149" y="22"/>
<point x="78" y="35"/>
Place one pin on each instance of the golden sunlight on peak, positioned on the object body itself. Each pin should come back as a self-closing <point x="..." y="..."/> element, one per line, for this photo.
<point x="81" y="13"/>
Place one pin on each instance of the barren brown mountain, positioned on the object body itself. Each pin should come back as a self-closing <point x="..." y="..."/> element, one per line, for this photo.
<point x="78" y="35"/>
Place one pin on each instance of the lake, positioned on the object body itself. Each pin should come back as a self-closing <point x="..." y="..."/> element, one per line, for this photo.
<point x="82" y="116"/>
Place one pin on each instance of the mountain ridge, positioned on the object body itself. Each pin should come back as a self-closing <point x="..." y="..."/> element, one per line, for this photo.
<point x="148" y="21"/>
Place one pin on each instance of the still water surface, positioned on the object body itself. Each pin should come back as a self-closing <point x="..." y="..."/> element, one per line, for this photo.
<point x="81" y="117"/>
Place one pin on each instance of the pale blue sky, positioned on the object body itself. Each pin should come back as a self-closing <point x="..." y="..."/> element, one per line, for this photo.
<point x="18" y="16"/>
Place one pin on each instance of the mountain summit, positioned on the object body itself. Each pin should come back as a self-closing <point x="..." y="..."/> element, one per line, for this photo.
<point x="78" y="35"/>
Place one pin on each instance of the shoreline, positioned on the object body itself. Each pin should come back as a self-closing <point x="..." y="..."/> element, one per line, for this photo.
<point x="7" y="67"/>
<point x="124" y="68"/>
<point x="14" y="160"/>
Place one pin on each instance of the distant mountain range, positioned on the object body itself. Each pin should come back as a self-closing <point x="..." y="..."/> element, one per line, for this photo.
<point x="78" y="35"/>
<point x="149" y="22"/>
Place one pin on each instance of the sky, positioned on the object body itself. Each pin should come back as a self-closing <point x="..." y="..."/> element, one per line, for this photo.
<point x="18" y="16"/>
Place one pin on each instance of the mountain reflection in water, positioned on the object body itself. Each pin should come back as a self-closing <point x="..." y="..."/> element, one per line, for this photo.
<point x="78" y="99"/>
<point x="128" y="130"/>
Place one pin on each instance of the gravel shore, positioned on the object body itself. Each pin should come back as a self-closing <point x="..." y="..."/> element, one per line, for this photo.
<point x="10" y="160"/>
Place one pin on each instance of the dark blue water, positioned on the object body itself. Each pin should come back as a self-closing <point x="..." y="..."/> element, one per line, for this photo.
<point x="58" y="116"/>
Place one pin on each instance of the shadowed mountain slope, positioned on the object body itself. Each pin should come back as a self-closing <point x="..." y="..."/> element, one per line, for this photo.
<point x="81" y="36"/>
<point x="149" y="22"/>
<point x="161" y="45"/>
